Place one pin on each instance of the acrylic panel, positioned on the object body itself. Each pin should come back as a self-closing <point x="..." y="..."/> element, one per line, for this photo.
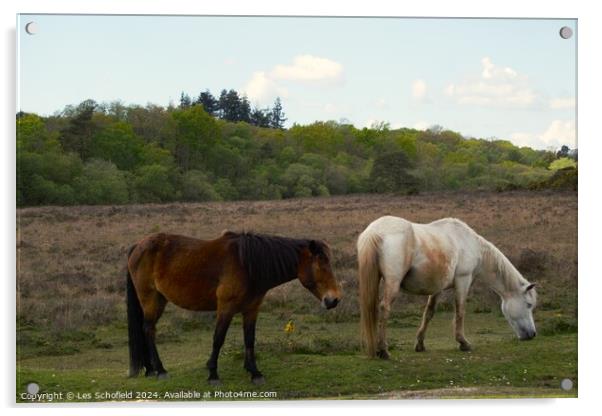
<point x="281" y="208"/>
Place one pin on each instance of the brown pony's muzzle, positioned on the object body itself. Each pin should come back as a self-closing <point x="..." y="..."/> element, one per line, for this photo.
<point x="330" y="302"/>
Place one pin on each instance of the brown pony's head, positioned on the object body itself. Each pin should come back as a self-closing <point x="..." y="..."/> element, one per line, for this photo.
<point x="316" y="275"/>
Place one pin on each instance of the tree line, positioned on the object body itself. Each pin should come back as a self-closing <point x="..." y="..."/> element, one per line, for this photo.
<point x="202" y="150"/>
<point x="231" y="106"/>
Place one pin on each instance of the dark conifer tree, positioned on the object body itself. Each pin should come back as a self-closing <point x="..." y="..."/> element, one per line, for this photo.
<point x="185" y="100"/>
<point x="244" y="110"/>
<point x="209" y="103"/>
<point x="261" y="118"/>
<point x="277" y="115"/>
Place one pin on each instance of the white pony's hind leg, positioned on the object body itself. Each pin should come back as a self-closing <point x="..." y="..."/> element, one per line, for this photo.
<point x="390" y="293"/>
<point x="462" y="285"/>
<point x="396" y="260"/>
<point x="429" y="311"/>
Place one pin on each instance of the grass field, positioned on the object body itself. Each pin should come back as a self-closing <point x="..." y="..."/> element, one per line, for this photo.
<point x="72" y="336"/>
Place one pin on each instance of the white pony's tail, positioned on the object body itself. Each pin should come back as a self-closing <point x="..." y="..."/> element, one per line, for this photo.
<point x="368" y="245"/>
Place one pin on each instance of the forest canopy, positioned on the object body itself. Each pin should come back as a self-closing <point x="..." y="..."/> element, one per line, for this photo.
<point x="211" y="148"/>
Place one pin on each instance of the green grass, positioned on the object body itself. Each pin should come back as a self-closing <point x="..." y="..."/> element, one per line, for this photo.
<point x="320" y="359"/>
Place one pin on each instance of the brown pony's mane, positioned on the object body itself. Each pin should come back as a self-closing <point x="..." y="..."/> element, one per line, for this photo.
<point x="272" y="260"/>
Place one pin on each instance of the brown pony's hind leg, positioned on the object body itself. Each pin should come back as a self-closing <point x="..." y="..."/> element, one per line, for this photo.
<point x="249" y="321"/>
<point x="224" y="317"/>
<point x="153" y="305"/>
<point x="429" y="311"/>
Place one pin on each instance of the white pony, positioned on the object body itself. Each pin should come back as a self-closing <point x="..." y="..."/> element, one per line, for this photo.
<point x="426" y="259"/>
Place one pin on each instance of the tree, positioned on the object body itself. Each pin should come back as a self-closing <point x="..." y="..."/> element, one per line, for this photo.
<point x="277" y="115"/>
<point x="32" y="135"/>
<point x="185" y="100"/>
<point x="152" y="184"/>
<point x="563" y="152"/>
<point x="196" y="187"/>
<point x="78" y="135"/>
<point x="261" y="118"/>
<point x="101" y="183"/>
<point x="196" y="133"/>
<point x="117" y="143"/>
<point x="562" y="163"/>
<point x="391" y="173"/>
<point x="209" y="103"/>
<point x="230" y="105"/>
<point x="153" y="124"/>
<point x="244" y="110"/>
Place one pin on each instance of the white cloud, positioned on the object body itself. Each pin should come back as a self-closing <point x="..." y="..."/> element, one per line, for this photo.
<point x="265" y="86"/>
<point x="496" y="86"/>
<point x="261" y="88"/>
<point x="309" y="68"/>
<point x="419" y="89"/>
<point x="559" y="132"/>
<point x="562" y="132"/>
<point x="562" y="103"/>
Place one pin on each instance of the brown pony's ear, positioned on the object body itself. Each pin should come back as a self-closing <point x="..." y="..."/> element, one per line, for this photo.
<point x="315" y="247"/>
<point x="531" y="286"/>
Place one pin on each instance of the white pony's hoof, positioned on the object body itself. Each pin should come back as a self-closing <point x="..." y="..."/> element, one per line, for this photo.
<point x="465" y="346"/>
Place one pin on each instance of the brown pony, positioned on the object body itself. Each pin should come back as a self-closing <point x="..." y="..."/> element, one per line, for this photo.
<point x="230" y="275"/>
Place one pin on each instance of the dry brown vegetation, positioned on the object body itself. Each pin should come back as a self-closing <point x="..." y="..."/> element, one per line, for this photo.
<point x="71" y="260"/>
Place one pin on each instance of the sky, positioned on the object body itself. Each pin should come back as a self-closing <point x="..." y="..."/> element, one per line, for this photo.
<point x="512" y="79"/>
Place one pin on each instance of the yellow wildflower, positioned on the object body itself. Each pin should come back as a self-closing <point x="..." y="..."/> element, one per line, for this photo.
<point x="289" y="327"/>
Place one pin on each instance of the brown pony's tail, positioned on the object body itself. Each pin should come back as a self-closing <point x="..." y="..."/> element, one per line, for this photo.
<point x="369" y="281"/>
<point x="136" y="342"/>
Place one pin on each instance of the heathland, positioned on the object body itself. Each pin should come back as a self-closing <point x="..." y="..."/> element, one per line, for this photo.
<point x="71" y="324"/>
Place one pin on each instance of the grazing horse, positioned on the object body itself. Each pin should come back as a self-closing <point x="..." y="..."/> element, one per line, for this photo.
<point x="230" y="275"/>
<point x="426" y="259"/>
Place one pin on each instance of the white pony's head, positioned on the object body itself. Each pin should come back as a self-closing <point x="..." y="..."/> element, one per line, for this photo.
<point x="518" y="307"/>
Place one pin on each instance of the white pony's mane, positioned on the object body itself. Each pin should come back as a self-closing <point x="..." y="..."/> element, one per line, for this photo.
<point x="494" y="259"/>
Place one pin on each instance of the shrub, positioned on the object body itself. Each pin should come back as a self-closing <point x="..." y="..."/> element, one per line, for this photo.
<point x="196" y="187"/>
<point x="101" y="183"/>
<point x="152" y="184"/>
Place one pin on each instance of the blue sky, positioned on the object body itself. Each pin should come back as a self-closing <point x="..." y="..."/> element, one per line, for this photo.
<point x="510" y="79"/>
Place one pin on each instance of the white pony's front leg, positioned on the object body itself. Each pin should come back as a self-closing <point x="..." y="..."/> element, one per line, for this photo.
<point x="390" y="293"/>
<point x="462" y="285"/>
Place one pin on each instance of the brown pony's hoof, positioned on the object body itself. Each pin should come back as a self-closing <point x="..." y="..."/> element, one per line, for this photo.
<point x="419" y="347"/>
<point x="163" y="376"/>
<point x="383" y="354"/>
<point x="215" y="382"/>
<point x="465" y="346"/>
<point x="258" y="381"/>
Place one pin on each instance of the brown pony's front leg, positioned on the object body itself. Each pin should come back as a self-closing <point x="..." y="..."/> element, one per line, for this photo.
<point x="221" y="328"/>
<point x="249" y="322"/>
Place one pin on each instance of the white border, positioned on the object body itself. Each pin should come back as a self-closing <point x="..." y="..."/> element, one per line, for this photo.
<point x="589" y="201"/>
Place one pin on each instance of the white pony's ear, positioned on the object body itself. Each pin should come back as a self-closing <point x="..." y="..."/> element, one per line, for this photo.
<point x="531" y="286"/>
